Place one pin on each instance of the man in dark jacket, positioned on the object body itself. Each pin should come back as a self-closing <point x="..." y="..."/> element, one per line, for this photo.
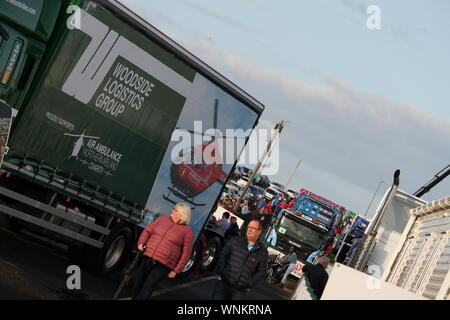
<point x="233" y="230"/>
<point x="316" y="277"/>
<point x="241" y="264"/>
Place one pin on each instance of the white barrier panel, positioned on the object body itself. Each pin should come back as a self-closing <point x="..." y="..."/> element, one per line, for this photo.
<point x="349" y="284"/>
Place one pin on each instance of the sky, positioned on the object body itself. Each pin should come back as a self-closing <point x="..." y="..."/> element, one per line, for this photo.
<point x="360" y="103"/>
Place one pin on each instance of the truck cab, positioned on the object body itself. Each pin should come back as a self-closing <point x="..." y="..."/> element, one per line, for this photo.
<point x="309" y="226"/>
<point x="299" y="231"/>
<point x="345" y="242"/>
<point x="25" y="30"/>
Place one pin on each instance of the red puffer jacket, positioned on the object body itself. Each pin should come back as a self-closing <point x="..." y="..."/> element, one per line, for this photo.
<point x="168" y="242"/>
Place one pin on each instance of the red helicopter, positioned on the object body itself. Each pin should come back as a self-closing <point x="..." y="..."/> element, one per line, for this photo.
<point x="190" y="178"/>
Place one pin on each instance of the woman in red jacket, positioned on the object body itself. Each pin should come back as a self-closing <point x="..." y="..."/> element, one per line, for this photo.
<point x="167" y="242"/>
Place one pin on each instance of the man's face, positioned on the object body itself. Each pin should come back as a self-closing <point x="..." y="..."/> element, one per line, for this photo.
<point x="253" y="231"/>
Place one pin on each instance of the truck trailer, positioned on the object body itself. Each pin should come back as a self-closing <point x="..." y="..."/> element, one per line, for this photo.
<point x="417" y="269"/>
<point x="404" y="253"/>
<point x="100" y="102"/>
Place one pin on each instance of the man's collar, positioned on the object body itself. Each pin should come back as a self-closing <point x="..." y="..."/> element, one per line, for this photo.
<point x="256" y="245"/>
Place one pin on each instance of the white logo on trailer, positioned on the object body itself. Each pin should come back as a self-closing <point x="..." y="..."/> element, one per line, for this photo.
<point x="79" y="143"/>
<point x="105" y="47"/>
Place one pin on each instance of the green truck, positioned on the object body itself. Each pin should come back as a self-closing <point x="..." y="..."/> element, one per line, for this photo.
<point x="96" y="94"/>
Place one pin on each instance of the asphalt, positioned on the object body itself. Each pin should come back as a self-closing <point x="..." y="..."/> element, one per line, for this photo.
<point x="35" y="268"/>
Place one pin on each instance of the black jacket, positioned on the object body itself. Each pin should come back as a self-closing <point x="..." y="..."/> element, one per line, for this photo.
<point x="239" y="267"/>
<point x="232" y="231"/>
<point x="316" y="278"/>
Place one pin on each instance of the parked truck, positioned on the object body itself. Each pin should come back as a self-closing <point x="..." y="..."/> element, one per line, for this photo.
<point x="98" y="97"/>
<point x="374" y="248"/>
<point x="404" y="253"/>
<point x="354" y="227"/>
<point x="417" y="268"/>
<point x="308" y="227"/>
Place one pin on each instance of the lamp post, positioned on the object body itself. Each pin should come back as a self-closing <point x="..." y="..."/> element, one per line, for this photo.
<point x="381" y="182"/>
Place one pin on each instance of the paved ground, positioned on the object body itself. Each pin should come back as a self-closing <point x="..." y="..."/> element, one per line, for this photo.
<point x="35" y="269"/>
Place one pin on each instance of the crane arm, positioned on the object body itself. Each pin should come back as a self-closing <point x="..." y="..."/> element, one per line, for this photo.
<point x="438" y="177"/>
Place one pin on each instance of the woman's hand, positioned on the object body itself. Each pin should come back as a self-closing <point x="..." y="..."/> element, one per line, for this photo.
<point x="141" y="247"/>
<point x="172" y="274"/>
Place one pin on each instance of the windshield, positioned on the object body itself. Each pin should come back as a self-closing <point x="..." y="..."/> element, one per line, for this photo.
<point x="278" y="185"/>
<point x="299" y="232"/>
<point x="272" y="192"/>
<point x="256" y="190"/>
<point x="234" y="185"/>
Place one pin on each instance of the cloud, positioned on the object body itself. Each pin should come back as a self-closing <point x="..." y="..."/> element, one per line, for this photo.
<point x="151" y="14"/>
<point x="352" y="137"/>
<point x="266" y="124"/>
<point x="219" y="16"/>
<point x="355" y="5"/>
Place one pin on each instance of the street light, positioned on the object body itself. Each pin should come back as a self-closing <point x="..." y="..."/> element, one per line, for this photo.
<point x="381" y="182"/>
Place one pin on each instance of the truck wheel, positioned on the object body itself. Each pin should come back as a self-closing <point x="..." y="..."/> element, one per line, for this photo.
<point x="211" y="253"/>
<point x="112" y="255"/>
<point x="193" y="262"/>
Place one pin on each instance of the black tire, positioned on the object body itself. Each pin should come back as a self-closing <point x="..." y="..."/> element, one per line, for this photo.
<point x="114" y="252"/>
<point x="213" y="247"/>
<point x="193" y="262"/>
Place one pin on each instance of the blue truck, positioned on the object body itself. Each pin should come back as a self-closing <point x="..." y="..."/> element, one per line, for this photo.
<point x="309" y="226"/>
<point x="343" y="245"/>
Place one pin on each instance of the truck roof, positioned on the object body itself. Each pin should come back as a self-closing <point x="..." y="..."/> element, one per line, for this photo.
<point x="331" y="203"/>
<point x="155" y="34"/>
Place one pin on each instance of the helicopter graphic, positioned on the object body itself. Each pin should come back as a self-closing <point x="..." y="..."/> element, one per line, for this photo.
<point x="78" y="143"/>
<point x="190" y="178"/>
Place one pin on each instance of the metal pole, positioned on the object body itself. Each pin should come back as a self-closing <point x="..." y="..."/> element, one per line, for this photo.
<point x="293" y="174"/>
<point x="360" y="259"/>
<point x="367" y="210"/>
<point x="278" y="127"/>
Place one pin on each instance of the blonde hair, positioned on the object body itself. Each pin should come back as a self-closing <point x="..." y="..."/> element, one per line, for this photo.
<point x="185" y="213"/>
